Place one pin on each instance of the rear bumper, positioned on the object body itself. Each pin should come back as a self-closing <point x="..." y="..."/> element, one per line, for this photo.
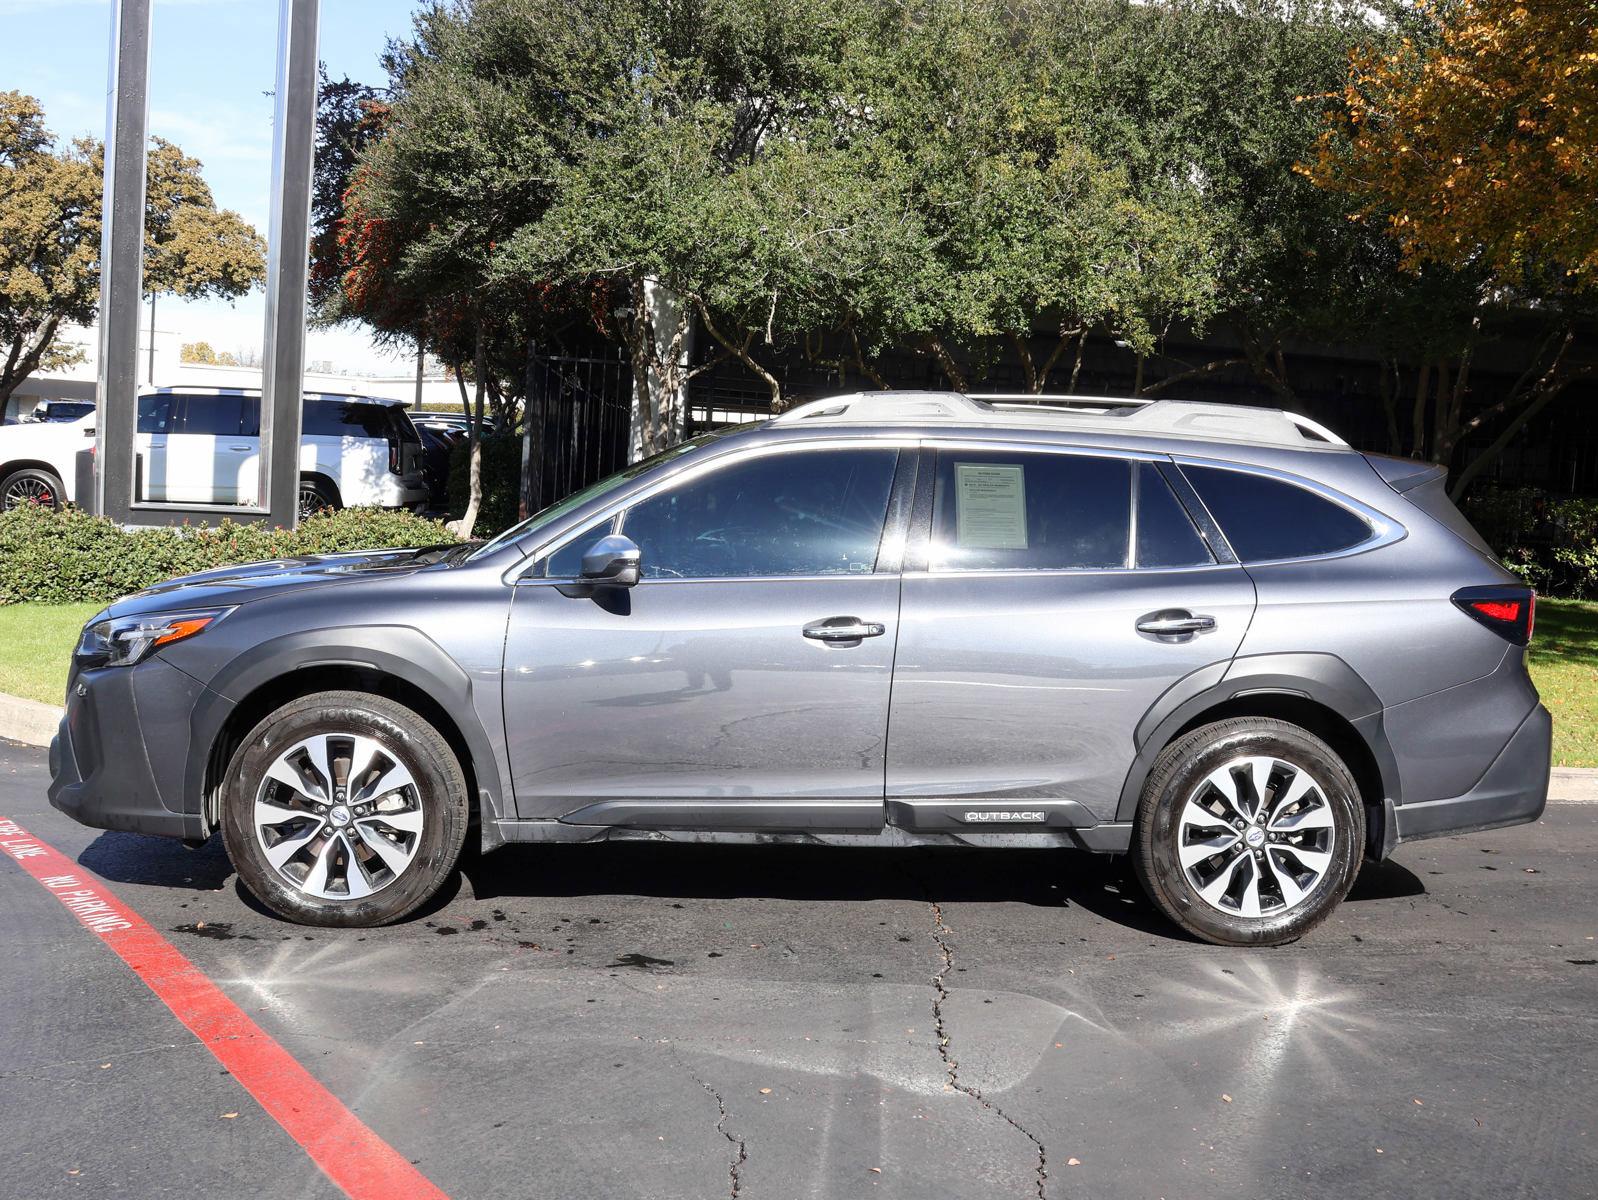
<point x="404" y="492"/>
<point x="1513" y="790"/>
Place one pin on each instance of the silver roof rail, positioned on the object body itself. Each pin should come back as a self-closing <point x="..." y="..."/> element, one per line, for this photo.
<point x="1314" y="427"/>
<point x="1025" y="400"/>
<point x="888" y="406"/>
<point x="1097" y="414"/>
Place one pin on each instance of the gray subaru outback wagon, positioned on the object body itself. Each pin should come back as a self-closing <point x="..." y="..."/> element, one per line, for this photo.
<point x="1214" y="638"/>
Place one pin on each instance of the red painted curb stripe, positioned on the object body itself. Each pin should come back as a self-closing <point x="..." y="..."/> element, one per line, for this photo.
<point x="360" y="1163"/>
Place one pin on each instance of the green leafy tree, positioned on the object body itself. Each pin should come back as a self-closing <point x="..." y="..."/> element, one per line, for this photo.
<point x="50" y="237"/>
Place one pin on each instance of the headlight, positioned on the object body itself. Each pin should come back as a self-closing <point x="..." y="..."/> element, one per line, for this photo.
<point x="123" y="641"/>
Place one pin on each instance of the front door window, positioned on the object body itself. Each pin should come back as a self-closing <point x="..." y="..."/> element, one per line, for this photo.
<point x="802" y="513"/>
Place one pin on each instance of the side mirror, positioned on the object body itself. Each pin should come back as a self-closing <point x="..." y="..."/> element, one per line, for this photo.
<point x="612" y="561"/>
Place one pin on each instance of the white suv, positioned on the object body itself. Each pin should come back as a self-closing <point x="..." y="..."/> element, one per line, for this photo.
<point x="203" y="446"/>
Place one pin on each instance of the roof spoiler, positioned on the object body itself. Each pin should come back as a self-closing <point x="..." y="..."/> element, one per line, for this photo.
<point x="1404" y="474"/>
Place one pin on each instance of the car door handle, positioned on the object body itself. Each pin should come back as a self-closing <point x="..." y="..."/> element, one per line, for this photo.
<point x="1174" y="623"/>
<point x="241" y="447"/>
<point x="843" y="629"/>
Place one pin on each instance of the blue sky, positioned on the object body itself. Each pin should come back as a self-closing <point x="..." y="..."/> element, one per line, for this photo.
<point x="212" y="67"/>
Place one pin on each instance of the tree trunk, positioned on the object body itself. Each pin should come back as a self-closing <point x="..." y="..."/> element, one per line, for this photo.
<point x="23" y="359"/>
<point x="946" y="363"/>
<point x="1499" y="444"/>
<point x="1209" y="368"/>
<point x="1389" y="395"/>
<point x="1531" y="400"/>
<point x="1442" y="406"/>
<point x="1028" y="369"/>
<point x="1259" y="362"/>
<point x="1417" y="420"/>
<point x="659" y="342"/>
<point x="740" y="351"/>
<point x="474" y="437"/>
<point x="866" y="369"/>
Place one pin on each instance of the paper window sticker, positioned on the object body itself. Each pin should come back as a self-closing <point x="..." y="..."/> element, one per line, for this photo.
<point x="990" y="507"/>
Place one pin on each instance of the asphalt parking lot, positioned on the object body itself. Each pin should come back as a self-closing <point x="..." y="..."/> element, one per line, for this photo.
<point x="661" y="1021"/>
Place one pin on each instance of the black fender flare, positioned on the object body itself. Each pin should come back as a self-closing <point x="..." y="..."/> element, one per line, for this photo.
<point x="396" y="650"/>
<point x="1323" y="679"/>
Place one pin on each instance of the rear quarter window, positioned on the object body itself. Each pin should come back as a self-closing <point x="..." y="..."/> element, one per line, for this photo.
<point x="1266" y="518"/>
<point x="342" y="418"/>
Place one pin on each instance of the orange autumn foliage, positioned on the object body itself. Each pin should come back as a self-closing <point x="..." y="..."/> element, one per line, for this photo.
<point x="1478" y="147"/>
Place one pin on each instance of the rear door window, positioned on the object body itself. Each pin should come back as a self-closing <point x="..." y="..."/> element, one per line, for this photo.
<point x="1030" y="510"/>
<point x="1265" y="518"/>
<point x="346" y="418"/>
<point x="212" y="416"/>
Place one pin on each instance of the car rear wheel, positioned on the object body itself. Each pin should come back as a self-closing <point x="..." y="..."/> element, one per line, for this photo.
<point x="316" y="497"/>
<point x="31" y="485"/>
<point x="1250" y="832"/>
<point x="344" y="808"/>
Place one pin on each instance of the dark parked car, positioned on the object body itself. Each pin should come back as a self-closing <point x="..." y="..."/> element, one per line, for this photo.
<point x="1214" y="638"/>
<point x="61" y="410"/>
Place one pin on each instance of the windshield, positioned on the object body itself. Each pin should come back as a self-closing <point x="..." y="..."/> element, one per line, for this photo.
<point x="609" y="484"/>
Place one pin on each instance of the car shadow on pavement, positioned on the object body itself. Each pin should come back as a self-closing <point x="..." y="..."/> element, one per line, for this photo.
<point x="157" y="861"/>
<point x="1099" y="884"/>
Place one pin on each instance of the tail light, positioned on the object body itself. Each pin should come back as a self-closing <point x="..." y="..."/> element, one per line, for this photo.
<point x="1508" y="611"/>
<point x="394" y="465"/>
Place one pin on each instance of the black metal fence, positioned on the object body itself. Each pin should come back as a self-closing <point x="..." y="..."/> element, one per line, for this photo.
<point x="578" y="412"/>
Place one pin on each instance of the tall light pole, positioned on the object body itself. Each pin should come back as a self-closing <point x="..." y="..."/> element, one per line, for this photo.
<point x="127" y="114"/>
<point x="288" y="259"/>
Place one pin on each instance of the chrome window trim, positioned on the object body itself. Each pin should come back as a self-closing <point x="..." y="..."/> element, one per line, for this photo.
<point x="648" y="488"/>
<point x="1028" y="446"/>
<point x="1096" y="571"/>
<point x="1385" y="530"/>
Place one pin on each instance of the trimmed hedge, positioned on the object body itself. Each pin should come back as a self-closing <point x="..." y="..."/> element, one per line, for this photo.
<point x="70" y="557"/>
<point x="502" y="483"/>
<point x="1549" y="541"/>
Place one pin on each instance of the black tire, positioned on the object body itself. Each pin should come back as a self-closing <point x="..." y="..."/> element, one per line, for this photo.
<point x="1180" y="774"/>
<point x="317" y="496"/>
<point x="31" y="485"/>
<point x="439" y="794"/>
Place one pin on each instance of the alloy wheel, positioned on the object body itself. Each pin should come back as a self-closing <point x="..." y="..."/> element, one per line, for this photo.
<point x="311" y="501"/>
<point x="29" y="490"/>
<point x="1255" y="837"/>
<point x="338" y="816"/>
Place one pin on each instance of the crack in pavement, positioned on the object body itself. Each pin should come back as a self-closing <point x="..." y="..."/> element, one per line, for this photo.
<point x="740" y="1147"/>
<point x="951" y="1065"/>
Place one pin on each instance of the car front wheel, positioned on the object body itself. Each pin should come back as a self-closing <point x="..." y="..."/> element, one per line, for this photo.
<point x="1250" y="832"/>
<point x="344" y="808"/>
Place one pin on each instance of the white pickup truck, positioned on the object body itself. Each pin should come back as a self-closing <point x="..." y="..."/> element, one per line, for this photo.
<point x="203" y="446"/>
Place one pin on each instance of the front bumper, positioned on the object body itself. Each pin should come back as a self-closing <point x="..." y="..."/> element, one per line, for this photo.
<point x="1512" y="791"/>
<point x="120" y="758"/>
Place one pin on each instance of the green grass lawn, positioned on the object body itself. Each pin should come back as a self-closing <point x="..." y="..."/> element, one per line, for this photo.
<point x="1564" y="664"/>
<point x="37" y="639"/>
<point x="36" y="642"/>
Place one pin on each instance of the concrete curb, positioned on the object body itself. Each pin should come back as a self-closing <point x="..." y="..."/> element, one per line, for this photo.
<point x="28" y="721"/>
<point x="1574" y="784"/>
